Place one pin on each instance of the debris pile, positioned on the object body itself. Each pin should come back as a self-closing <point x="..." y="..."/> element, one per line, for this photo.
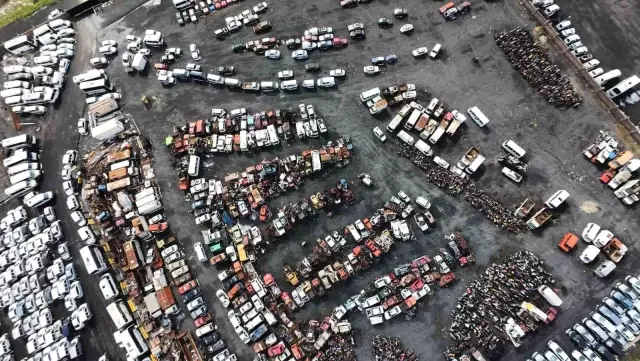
<point x="534" y="65"/>
<point x="390" y="349"/>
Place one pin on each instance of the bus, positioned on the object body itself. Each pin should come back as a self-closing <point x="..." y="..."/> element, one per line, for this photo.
<point x="99" y="86"/>
<point x="93" y="74"/>
<point x="243" y="141"/>
<point x="369" y="94"/>
<point x="395" y="122"/>
<point x="20" y="45"/>
<point x="273" y="134"/>
<point x="120" y="314"/>
<point x="20" y="156"/>
<point x="623" y="86"/>
<point x="412" y="119"/>
<point x="93" y="260"/>
<point x="19" y="141"/>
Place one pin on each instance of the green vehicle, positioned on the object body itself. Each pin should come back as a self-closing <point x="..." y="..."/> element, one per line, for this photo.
<point x="215" y="248"/>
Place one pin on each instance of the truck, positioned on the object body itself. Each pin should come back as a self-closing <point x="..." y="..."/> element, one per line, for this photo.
<point x="437" y="134"/>
<point x="631" y="199"/>
<point x="315" y="160"/>
<point x="121" y="183"/>
<point x="378" y="106"/>
<point x="251" y="86"/>
<point x="422" y="123"/>
<point x="621" y="160"/>
<point x="539" y="218"/>
<point x="468" y="158"/>
<point x="619" y="179"/>
<point x="524" y="209"/>
<point x="615" y="250"/>
<point x="431" y="126"/>
<point x="139" y="62"/>
<point x="107" y="130"/>
<point x="413" y="119"/>
<point x="455" y="124"/>
<point x="103" y="107"/>
<point x="627" y="189"/>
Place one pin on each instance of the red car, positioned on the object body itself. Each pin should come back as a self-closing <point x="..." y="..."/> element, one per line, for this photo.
<point x="340" y="42"/>
<point x="158" y="227"/>
<point x="310" y="38"/>
<point x="607" y="176"/>
<point x="202" y="320"/>
<point x="372" y="247"/>
<point x="264" y="213"/>
<point x="417" y="285"/>
<point x="268" y="41"/>
<point x="187" y="286"/>
<point x="276" y="349"/>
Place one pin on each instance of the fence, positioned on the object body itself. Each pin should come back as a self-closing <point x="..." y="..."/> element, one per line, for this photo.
<point x="554" y="38"/>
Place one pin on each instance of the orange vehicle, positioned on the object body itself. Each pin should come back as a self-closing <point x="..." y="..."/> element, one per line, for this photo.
<point x="297" y="352"/>
<point x="158" y="227"/>
<point x="259" y="347"/>
<point x="568" y="242"/>
<point x="367" y="223"/>
<point x="264" y="213"/>
<point x="372" y="247"/>
<point x="445" y="7"/>
<point x="187" y="286"/>
<point x="235" y="290"/>
<point x="341" y="272"/>
<point x="160" y="66"/>
<point x="607" y="176"/>
<point x="218" y="258"/>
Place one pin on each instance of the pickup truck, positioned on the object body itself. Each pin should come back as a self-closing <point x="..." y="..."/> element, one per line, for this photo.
<point x="458" y="119"/>
<point x="468" y="157"/>
<point x="251" y="86"/>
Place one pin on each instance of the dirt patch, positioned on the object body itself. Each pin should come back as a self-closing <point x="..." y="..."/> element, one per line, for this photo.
<point x="10" y="5"/>
<point x="589" y="207"/>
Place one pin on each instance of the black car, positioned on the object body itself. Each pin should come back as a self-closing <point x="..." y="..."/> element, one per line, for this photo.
<point x="293" y="43"/>
<point x="603" y="352"/>
<point x="312" y="67"/>
<point x="239" y="48"/>
<point x="582" y="331"/>
<point x="615" y="347"/>
<point x="364" y="1"/>
<point x="191" y="295"/>
<point x="385" y="23"/>
<point x="228" y="283"/>
<point x="357" y="34"/>
<point x="216" y="347"/>
<point x="577" y="340"/>
<point x="179" y="18"/>
<point x="186" y="17"/>
<point x="226" y="70"/>
<point x="210" y="338"/>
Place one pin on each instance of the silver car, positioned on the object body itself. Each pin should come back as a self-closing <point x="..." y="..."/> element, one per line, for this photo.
<point x="558" y="351"/>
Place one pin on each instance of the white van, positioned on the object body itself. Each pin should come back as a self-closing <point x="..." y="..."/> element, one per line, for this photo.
<point x="21" y="167"/>
<point x="215" y="79"/>
<point x="17" y="84"/>
<point x="604" y="269"/>
<point x="194" y="165"/>
<point x="551" y="10"/>
<point x="289" y="85"/>
<point x="477" y="116"/>
<point x="269" y="86"/>
<point x="590" y="232"/>
<point x="308" y="84"/>
<point x="608" y="76"/>
<point x="512" y="148"/>
<point x="150" y="207"/>
<point x="557" y="199"/>
<point x="200" y="252"/>
<point x="232" y="83"/>
<point x="7" y="93"/>
<point x="59" y="24"/>
<point x="180" y="73"/>
<point x="155" y="39"/>
<point x="550" y="296"/>
<point x="12" y="69"/>
<point x="20" y="187"/>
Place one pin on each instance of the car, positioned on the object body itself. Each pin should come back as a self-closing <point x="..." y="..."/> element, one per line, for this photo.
<point x="596" y="330"/>
<point x="404" y="197"/>
<point x="538" y="357"/>
<point x="385" y="23"/>
<point x="326" y="82"/>
<point x="441" y="264"/>
<point x="589" y="254"/>
<point x="422" y="51"/>
<point x="272" y="54"/>
<point x="285" y="74"/>
<point x="192" y="16"/>
<point x="371" y="70"/>
<point x="179" y="18"/>
<point x="260" y="8"/>
<point x="108" y="50"/>
<point x="622" y="299"/>
<point x="169" y="250"/>
<point x="634" y="282"/>
<point x="577" y="340"/>
<point x="86" y="235"/>
<point x="627" y="291"/>
<point x="379" y="134"/>
<point x="357" y="34"/>
<point x="511" y="174"/>
<point x="435" y="52"/>
<point x="83" y="126"/>
<point x="567" y="32"/>
<point x="610" y="315"/>
<point x="66" y="33"/>
<point x="69" y="157"/>
<point x="226" y="70"/>
<point x="565" y="24"/>
<point x="192" y="305"/>
<point x="99" y="62"/>
<point x="262" y="27"/>
<point x="39" y="199"/>
<point x="299" y="54"/>
<point x="558" y="351"/>
<point x="347" y="4"/>
<point x="49" y="213"/>
<point x="406" y="29"/>
<point x="441" y="162"/>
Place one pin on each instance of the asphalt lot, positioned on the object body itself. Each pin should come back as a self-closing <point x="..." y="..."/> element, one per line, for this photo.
<point x="553" y="138"/>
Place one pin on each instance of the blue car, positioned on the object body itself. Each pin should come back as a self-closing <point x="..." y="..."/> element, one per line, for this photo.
<point x="610" y="315"/>
<point x="391" y="59"/>
<point x="622" y="299"/>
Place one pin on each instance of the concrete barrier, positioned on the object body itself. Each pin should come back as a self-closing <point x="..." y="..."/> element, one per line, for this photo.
<point x="555" y="39"/>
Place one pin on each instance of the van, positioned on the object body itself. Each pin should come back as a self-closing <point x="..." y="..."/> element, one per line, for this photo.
<point x="308" y="83"/>
<point x="512" y="148"/>
<point x="194" y="165"/>
<point x="604" y="269"/>
<point x="205" y="330"/>
<point x="200" y="252"/>
<point x="45" y="60"/>
<point x="20" y="187"/>
<point x="155" y="40"/>
<point x="551" y="10"/>
<point x="59" y="24"/>
<point x="477" y="116"/>
<point x="197" y="76"/>
<point x="550" y="296"/>
<point x="21" y="167"/>
<point x="26" y="175"/>
<point x="7" y="93"/>
<point x="181" y="73"/>
<point x="13" y="100"/>
<point x="232" y="83"/>
<point x="590" y="232"/>
<point x="289" y="85"/>
<point x="12" y="69"/>
<point x="269" y="86"/>
<point x="17" y="84"/>
<point x="215" y="79"/>
<point x="608" y="76"/>
<point x="20" y="76"/>
<point x="557" y="199"/>
<point x="255" y="322"/>
<point x="150" y="208"/>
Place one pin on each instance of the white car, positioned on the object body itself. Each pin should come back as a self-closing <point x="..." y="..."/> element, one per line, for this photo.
<point x="86" y="235"/>
<point x="589" y="254"/>
<point x="299" y="54"/>
<point x="326" y="82"/>
<point x="109" y="43"/>
<point x="114" y="96"/>
<point x="337" y="73"/>
<point x="78" y="218"/>
<point x="409" y="95"/>
<point x="596" y="72"/>
<point x="568" y="32"/>
<point x="371" y="70"/>
<point x="435" y="51"/>
<point x="63" y="65"/>
<point x="420" y="52"/>
<point x="285" y="74"/>
<point x="195" y="52"/>
<point x="389" y="314"/>
<point x="406" y="29"/>
<point x="441" y="162"/>
<point x="81" y="316"/>
<point x="67" y="186"/>
<point x="39" y="199"/>
<point x="405" y="198"/>
<point x="565" y="24"/>
<point x="69" y="157"/>
<point x="83" y="126"/>
<point x="511" y="174"/>
<point x="99" y="62"/>
<point x="66" y="33"/>
<point x="108" y="50"/>
<point x="261" y="7"/>
<point x="29" y="109"/>
<point x="423" y="202"/>
<point x="272" y="54"/>
<point x="379" y="134"/>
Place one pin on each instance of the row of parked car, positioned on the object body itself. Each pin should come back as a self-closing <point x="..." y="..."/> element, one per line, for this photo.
<point x="607" y="332"/>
